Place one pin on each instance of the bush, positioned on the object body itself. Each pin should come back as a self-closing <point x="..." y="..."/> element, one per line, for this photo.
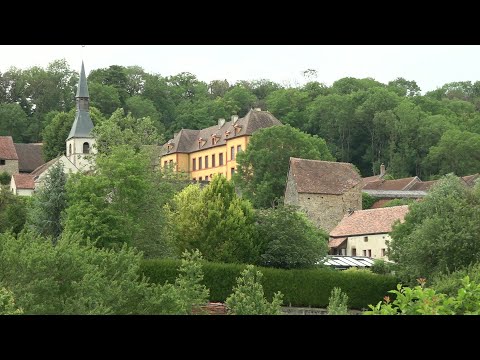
<point x="337" y="304"/>
<point x="7" y="303"/>
<point x="383" y="267"/>
<point x="248" y="296"/>
<point x="5" y="178"/>
<point x="306" y="287"/>
<point x="450" y="283"/>
<point x="368" y="200"/>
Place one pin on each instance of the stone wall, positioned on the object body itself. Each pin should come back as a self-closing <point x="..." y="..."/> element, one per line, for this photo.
<point x="291" y="194"/>
<point x="327" y="210"/>
<point x="11" y="167"/>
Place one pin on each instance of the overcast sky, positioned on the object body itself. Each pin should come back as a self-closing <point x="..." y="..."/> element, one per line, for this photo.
<point x="430" y="66"/>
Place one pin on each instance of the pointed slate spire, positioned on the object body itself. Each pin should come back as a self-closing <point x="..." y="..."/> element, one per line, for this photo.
<point x="82" y="90"/>
<point x="83" y="125"/>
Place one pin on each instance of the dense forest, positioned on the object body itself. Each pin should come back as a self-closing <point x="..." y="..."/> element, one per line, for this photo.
<point x="363" y="121"/>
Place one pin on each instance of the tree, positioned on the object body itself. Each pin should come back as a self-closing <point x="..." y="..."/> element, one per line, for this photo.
<point x="261" y="172"/>
<point x="13" y="211"/>
<point x="457" y="151"/>
<point x="288" y="240"/>
<point x="5" y="178"/>
<point x="215" y="221"/>
<point x="48" y="205"/>
<point x="248" y="296"/>
<point x="125" y="130"/>
<point x="75" y="277"/>
<point x="13" y="122"/>
<point x="104" y="97"/>
<point x="289" y="105"/>
<point x="142" y="108"/>
<point x="7" y="303"/>
<point x="121" y="202"/>
<point x="241" y="97"/>
<point x="439" y="233"/>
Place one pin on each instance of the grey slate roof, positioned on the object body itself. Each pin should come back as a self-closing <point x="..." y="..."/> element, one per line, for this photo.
<point x="29" y="156"/>
<point x="82" y="90"/>
<point x="82" y="126"/>
<point x="186" y="141"/>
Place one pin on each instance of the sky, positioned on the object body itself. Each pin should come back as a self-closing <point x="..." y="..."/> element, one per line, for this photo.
<point x="431" y="66"/>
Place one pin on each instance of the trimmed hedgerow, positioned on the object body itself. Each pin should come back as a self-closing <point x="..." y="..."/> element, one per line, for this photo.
<point x="310" y="287"/>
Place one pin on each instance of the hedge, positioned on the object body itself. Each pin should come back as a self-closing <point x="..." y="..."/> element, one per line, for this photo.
<point x="301" y="288"/>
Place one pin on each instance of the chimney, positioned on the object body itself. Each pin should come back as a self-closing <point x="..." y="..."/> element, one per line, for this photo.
<point x="258" y="109"/>
<point x="221" y="122"/>
<point x="234" y="119"/>
<point x="382" y="170"/>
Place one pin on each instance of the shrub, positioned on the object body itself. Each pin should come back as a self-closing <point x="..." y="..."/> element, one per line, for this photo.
<point x="7" y="303"/>
<point x="5" y="178"/>
<point x="450" y="283"/>
<point x="382" y="267"/>
<point x="248" y="296"/>
<point x="422" y="300"/>
<point x="300" y="287"/>
<point x="368" y="200"/>
<point x="337" y="304"/>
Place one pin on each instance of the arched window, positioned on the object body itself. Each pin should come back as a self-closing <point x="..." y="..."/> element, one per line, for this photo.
<point x="69" y="149"/>
<point x="86" y="148"/>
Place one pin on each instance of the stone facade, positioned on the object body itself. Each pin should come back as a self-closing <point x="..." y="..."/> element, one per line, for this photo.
<point x="10" y="167"/>
<point x="326" y="210"/>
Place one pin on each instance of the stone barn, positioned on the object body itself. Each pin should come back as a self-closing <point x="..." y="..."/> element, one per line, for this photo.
<point x="324" y="190"/>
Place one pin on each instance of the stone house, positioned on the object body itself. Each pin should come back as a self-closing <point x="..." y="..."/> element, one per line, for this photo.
<point x="365" y="232"/>
<point x="324" y="190"/>
<point x="8" y="156"/>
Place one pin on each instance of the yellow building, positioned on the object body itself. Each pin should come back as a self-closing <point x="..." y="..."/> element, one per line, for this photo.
<point x="204" y="153"/>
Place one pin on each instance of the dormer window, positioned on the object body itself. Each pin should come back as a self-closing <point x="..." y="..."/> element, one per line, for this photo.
<point x="237" y="128"/>
<point x="227" y="133"/>
<point x="201" y="142"/>
<point x="215" y="139"/>
<point x="169" y="146"/>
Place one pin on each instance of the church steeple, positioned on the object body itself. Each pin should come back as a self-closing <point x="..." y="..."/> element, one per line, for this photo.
<point x="83" y="124"/>
<point x="80" y="141"/>
<point x="82" y="91"/>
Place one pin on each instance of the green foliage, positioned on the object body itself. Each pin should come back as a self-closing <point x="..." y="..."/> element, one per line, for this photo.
<point x="422" y="300"/>
<point x="125" y="130"/>
<point x="104" y="97"/>
<point x="5" y="178"/>
<point x="248" y="296"/>
<point x="368" y="200"/>
<point x="7" y="303"/>
<point x="122" y="202"/>
<point x="306" y="287"/>
<point x="13" y="122"/>
<point x="75" y="277"/>
<point x="439" y="233"/>
<point x="457" y="152"/>
<point x="13" y="211"/>
<point x="449" y="284"/>
<point x="383" y="267"/>
<point x="261" y="172"/>
<point x="49" y="203"/>
<point x="337" y="303"/>
<point x="192" y="292"/>
<point x="215" y="221"/>
<point x="287" y="239"/>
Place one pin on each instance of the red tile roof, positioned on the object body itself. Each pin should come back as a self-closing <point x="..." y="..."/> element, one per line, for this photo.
<point x="323" y="177"/>
<point x="334" y="243"/>
<point x="7" y="149"/>
<point x="470" y="179"/>
<point x="24" y="181"/>
<point x="423" y="185"/>
<point x="371" y="221"/>
<point x="399" y="184"/>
